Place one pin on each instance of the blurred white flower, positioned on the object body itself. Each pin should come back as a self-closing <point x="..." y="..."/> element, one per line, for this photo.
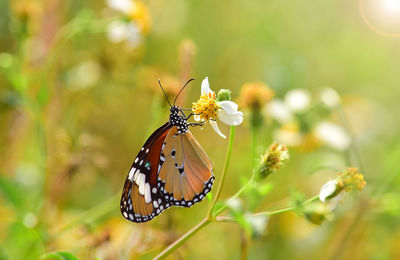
<point x="297" y="100"/>
<point x="329" y="97"/>
<point x="30" y="220"/>
<point x="207" y="108"/>
<point x="132" y="27"/>
<point x="235" y="204"/>
<point x="332" y="135"/>
<point x="85" y="75"/>
<point x="123" y="6"/>
<point x="119" y="31"/>
<point x="279" y="111"/>
<point x="258" y="223"/>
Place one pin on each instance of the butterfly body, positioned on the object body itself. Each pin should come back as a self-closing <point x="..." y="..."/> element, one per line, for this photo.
<point x="171" y="169"/>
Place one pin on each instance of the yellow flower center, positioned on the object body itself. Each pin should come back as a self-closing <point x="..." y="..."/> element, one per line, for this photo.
<point x="206" y="107"/>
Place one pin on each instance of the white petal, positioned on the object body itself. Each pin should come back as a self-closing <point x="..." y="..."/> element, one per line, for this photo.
<point x="330" y="97"/>
<point x="332" y="203"/>
<point x="298" y="99"/>
<point x="332" y="135"/>
<point x="134" y="36"/>
<point x="291" y="138"/>
<point x="258" y="223"/>
<point x="235" y="118"/>
<point x="205" y="87"/>
<point x="196" y="117"/>
<point x="117" y="31"/>
<point x="328" y="189"/>
<point x="124" y="6"/>
<point x="229" y="106"/>
<point x="216" y="129"/>
<point x="279" y="111"/>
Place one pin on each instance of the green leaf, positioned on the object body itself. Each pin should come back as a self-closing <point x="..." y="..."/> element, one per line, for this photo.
<point x="59" y="256"/>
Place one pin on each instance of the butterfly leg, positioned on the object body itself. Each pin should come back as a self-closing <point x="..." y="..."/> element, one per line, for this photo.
<point x="191" y="114"/>
<point x="196" y="124"/>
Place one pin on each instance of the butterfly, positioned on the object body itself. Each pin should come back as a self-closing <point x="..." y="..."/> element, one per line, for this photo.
<point x="171" y="169"/>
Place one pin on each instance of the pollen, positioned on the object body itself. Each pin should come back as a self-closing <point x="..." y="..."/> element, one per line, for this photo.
<point x="206" y="107"/>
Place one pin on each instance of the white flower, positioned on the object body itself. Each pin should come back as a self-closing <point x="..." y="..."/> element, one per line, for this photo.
<point x="85" y="75"/>
<point x="124" y="30"/>
<point x="297" y="100"/>
<point x="279" y="111"/>
<point x="123" y="6"/>
<point x="258" y="223"/>
<point x="332" y="135"/>
<point x="329" y="97"/>
<point x="119" y="31"/>
<point x="209" y="109"/>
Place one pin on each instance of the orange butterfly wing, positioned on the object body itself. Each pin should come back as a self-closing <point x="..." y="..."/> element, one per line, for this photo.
<point x="186" y="174"/>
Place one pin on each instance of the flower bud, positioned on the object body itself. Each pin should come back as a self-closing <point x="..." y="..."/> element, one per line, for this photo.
<point x="273" y="159"/>
<point x="351" y="179"/>
<point x="224" y="95"/>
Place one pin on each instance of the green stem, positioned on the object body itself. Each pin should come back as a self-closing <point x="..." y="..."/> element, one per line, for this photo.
<point x="268" y="213"/>
<point x="225" y="169"/>
<point x="171" y="248"/>
<point x="254" y="141"/>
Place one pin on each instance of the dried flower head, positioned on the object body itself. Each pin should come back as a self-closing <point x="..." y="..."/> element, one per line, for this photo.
<point x="273" y="159"/>
<point x="254" y="95"/>
<point x="351" y="179"/>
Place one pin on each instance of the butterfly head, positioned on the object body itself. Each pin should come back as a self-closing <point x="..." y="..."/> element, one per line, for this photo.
<point x="176" y="119"/>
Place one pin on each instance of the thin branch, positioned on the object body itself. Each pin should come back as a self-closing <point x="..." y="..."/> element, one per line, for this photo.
<point x="267" y="213"/>
<point x="225" y="169"/>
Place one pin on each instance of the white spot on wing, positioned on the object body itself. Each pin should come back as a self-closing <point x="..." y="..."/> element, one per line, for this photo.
<point x="131" y="173"/>
<point x="147" y="194"/>
<point x="142" y="183"/>
<point x="138" y="177"/>
<point x="155" y="204"/>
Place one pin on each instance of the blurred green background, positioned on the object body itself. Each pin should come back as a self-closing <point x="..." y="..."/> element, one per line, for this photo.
<point x="79" y="97"/>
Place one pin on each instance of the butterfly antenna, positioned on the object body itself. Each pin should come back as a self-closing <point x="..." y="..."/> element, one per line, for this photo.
<point x="165" y="94"/>
<point x="182" y="90"/>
